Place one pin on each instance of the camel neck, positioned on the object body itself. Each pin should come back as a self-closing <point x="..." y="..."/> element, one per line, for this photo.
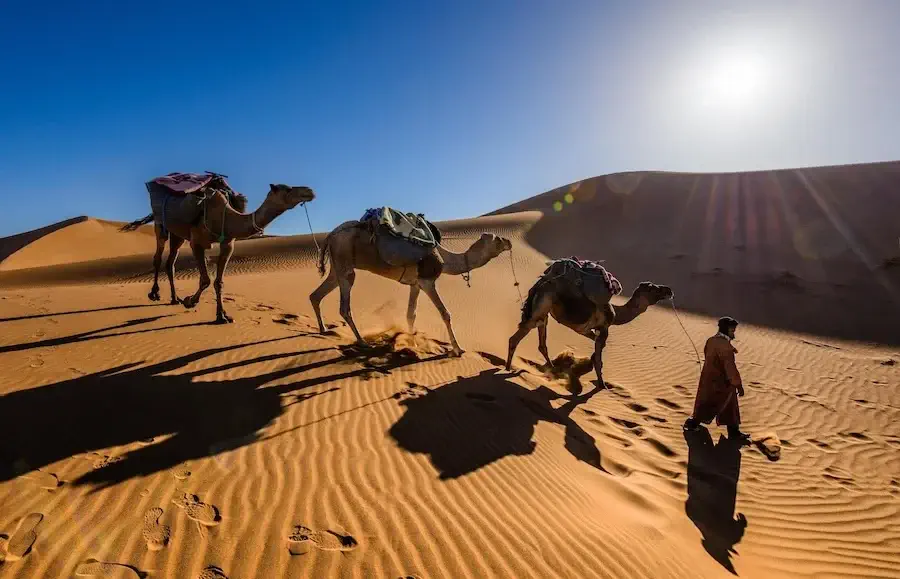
<point x="628" y="312"/>
<point x="460" y="263"/>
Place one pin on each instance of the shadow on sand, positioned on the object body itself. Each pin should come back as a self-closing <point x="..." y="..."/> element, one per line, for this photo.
<point x="134" y="404"/>
<point x="74" y="312"/>
<point x="713" y="472"/>
<point x="469" y="423"/>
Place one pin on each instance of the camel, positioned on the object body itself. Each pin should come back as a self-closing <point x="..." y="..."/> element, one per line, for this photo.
<point x="350" y="248"/>
<point x="580" y="302"/>
<point x="223" y="222"/>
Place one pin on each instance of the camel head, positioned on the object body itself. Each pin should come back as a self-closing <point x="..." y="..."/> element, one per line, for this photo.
<point x="284" y="197"/>
<point x="491" y="245"/>
<point x="653" y="293"/>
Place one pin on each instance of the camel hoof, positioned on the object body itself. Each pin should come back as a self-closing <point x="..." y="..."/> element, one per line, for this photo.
<point x="456" y="352"/>
<point x="188" y="303"/>
<point x="175" y="302"/>
<point x="154" y="296"/>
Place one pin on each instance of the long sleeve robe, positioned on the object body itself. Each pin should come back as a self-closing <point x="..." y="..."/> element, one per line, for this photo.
<point x="719" y="381"/>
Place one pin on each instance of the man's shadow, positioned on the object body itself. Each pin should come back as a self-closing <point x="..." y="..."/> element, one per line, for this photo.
<point x="475" y="421"/>
<point x="713" y="472"/>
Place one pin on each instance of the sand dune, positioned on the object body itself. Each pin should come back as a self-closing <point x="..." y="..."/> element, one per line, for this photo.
<point x="138" y="439"/>
<point x="801" y="242"/>
<point x="75" y="240"/>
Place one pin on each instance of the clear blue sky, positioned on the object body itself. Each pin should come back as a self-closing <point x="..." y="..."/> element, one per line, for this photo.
<point x="448" y="107"/>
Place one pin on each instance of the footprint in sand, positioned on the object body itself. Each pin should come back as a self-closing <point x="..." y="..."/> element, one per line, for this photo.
<point x="95" y="568"/>
<point x="102" y="460"/>
<point x="769" y="445"/>
<point x="156" y="534"/>
<point x="637" y="407"/>
<point x="303" y="539"/>
<point x="212" y="572"/>
<point x="411" y="392"/>
<point x="21" y="541"/>
<point x="198" y="511"/>
<point x="44" y="480"/>
<point x="182" y="474"/>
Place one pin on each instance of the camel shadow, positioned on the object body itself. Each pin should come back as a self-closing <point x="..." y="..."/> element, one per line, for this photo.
<point x="170" y="414"/>
<point x="99" y="334"/>
<point x="472" y="422"/>
<point x="73" y="312"/>
<point x="713" y="472"/>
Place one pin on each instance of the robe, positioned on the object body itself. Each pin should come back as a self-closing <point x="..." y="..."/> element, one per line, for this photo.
<point x="719" y="380"/>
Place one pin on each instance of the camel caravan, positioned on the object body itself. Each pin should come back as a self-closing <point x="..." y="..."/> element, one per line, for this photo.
<point x="203" y="209"/>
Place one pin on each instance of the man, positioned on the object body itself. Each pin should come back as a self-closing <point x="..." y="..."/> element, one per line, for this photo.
<point x="720" y="384"/>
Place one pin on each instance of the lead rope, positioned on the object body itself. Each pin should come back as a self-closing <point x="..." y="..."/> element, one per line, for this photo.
<point x="512" y="266"/>
<point x="308" y="222"/>
<point x="677" y="317"/>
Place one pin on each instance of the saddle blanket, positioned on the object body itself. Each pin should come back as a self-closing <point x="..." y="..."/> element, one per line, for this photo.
<point x="185" y="183"/>
<point x="595" y="269"/>
<point x="409" y="226"/>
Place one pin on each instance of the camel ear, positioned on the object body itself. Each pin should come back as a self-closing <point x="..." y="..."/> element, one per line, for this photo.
<point x="272" y="187"/>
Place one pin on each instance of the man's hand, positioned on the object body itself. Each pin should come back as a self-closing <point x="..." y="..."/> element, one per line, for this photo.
<point x="740" y="390"/>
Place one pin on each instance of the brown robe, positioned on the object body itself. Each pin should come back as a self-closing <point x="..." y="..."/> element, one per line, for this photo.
<point x="719" y="380"/>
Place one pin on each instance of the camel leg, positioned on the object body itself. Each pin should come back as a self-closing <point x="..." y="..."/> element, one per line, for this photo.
<point x="157" y="262"/>
<point x="345" y="282"/>
<point x="428" y="286"/>
<point x="175" y="244"/>
<point x="226" y="248"/>
<point x="602" y="334"/>
<point x="200" y="257"/>
<point x="539" y="312"/>
<point x="328" y="285"/>
<point x="411" y="309"/>
<point x="542" y="341"/>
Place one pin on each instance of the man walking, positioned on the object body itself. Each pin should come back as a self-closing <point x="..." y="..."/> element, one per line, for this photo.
<point x="720" y="384"/>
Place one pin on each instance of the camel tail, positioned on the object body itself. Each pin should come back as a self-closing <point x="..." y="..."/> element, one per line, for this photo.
<point x="135" y="224"/>
<point x="323" y="255"/>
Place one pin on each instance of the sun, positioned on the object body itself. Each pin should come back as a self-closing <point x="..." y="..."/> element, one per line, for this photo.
<point x="734" y="81"/>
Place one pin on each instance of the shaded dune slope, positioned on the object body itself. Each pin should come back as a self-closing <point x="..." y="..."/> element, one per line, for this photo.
<point x="809" y="250"/>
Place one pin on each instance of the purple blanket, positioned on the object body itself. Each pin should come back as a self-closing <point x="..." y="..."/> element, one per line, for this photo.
<point x="184" y="183"/>
<point x="596" y="269"/>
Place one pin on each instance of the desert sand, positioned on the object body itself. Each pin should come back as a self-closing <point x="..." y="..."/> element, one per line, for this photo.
<point x="139" y="440"/>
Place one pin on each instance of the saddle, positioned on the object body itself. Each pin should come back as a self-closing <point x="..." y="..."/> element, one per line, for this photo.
<point x="404" y="239"/>
<point x="588" y="274"/>
<point x="178" y="197"/>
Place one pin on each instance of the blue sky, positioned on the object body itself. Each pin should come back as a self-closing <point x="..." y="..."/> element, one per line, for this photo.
<point x="448" y="107"/>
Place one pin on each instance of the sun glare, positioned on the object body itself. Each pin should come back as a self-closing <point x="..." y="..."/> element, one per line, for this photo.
<point x="733" y="82"/>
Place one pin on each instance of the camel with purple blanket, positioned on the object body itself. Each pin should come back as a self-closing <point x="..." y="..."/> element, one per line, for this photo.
<point x="202" y="210"/>
<point x="577" y="294"/>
